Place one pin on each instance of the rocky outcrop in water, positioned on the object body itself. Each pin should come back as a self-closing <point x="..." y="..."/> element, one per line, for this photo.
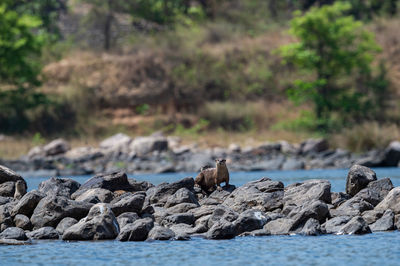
<point x="160" y="154"/>
<point x="107" y="206"/>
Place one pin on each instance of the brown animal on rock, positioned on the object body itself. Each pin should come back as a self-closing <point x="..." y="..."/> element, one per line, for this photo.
<point x="210" y="177"/>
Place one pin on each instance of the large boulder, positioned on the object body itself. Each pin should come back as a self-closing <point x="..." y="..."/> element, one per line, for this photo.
<point x="178" y="218"/>
<point x="23" y="222"/>
<point x="13" y="233"/>
<point x="27" y="204"/>
<point x="356" y="226"/>
<point x="280" y="226"/>
<point x="99" y="224"/>
<point x="161" y="233"/>
<point x="314" y="146"/>
<point x="352" y="207"/>
<point x="382" y="187"/>
<point x="385" y="223"/>
<point x="315" y="209"/>
<point x="372" y="216"/>
<point x="96" y="195"/>
<point x="391" y="201"/>
<point x="137" y="231"/>
<point x="8" y="178"/>
<point x="57" y="146"/>
<point x="160" y="194"/>
<point x="250" y="220"/>
<point x="263" y="195"/>
<point x="7" y="175"/>
<point x="144" y="145"/>
<point x="47" y="232"/>
<point x="127" y="218"/>
<point x="311" y="228"/>
<point x="112" y="182"/>
<point x="222" y="212"/>
<point x="222" y="230"/>
<point x="58" y="186"/>
<point x="116" y="142"/>
<point x="392" y="154"/>
<point x="64" y="224"/>
<point x="301" y="193"/>
<point x="333" y="226"/>
<point x="183" y="195"/>
<point x="358" y="178"/>
<point x="52" y="209"/>
<point x="128" y="203"/>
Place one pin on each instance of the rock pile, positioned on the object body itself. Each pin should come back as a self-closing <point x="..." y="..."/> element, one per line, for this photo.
<point x="112" y="206"/>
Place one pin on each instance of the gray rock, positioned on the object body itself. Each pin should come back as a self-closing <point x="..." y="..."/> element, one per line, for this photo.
<point x="7" y="175"/>
<point x="222" y="230"/>
<point x="203" y="211"/>
<point x="356" y="226"/>
<point x="293" y="164"/>
<point x="391" y="201"/>
<point x="127" y="218"/>
<point x="185" y="218"/>
<point x="219" y="196"/>
<point x="385" y="223"/>
<point x="372" y="216"/>
<point x="392" y="154"/>
<point x="96" y="195"/>
<point x="52" y="209"/>
<point x="13" y="242"/>
<point x="338" y="198"/>
<point x="311" y="228"/>
<point x="264" y="195"/>
<point x="369" y="195"/>
<point x="352" y="207"/>
<point x="281" y="226"/>
<point x="358" y="178"/>
<point x="334" y="225"/>
<point x="314" y="146"/>
<point x="161" y="233"/>
<point x="222" y="212"/>
<point x="139" y="185"/>
<point x="57" y="146"/>
<point x="5" y="200"/>
<point x="145" y="145"/>
<point x="5" y="216"/>
<point x="137" y="231"/>
<point x="116" y="142"/>
<point x="99" y="224"/>
<point x="64" y="224"/>
<point x="250" y="220"/>
<point x="44" y="233"/>
<point x="129" y="203"/>
<point x="315" y="209"/>
<point x="23" y="222"/>
<point x="7" y="189"/>
<point x="183" y="195"/>
<point x="182" y="207"/>
<point x="27" y="204"/>
<point x="112" y="182"/>
<point x="382" y="187"/>
<point x="301" y="193"/>
<point x="397" y="221"/>
<point x="160" y="194"/>
<point x="13" y="233"/>
<point x="59" y="187"/>
<point x="268" y="165"/>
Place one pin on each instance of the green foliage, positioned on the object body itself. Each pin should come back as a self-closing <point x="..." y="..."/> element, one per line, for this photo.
<point x="337" y="52"/>
<point x="200" y="126"/>
<point x="19" y="68"/>
<point x="48" y="11"/>
<point x="38" y="139"/>
<point x="143" y="109"/>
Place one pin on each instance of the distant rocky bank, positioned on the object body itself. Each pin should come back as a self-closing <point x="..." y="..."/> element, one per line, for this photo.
<point x="160" y="154"/>
<point x="112" y="206"/>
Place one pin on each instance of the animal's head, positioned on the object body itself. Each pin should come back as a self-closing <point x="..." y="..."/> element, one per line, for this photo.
<point x="220" y="161"/>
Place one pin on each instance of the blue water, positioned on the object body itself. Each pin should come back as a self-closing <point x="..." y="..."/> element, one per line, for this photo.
<point x="372" y="249"/>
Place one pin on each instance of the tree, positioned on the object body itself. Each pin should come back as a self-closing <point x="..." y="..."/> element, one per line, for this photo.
<point x="18" y="68"/>
<point x="337" y="52"/>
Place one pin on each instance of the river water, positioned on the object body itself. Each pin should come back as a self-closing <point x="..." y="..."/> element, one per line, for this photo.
<point x="372" y="249"/>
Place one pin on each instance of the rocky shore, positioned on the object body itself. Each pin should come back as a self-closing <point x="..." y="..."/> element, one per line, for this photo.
<point x="160" y="154"/>
<point x="112" y="206"/>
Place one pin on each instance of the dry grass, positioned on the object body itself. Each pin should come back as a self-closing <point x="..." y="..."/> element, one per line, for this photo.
<point x="366" y="136"/>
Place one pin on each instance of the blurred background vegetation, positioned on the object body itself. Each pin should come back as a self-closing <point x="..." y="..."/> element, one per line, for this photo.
<point x="215" y="71"/>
